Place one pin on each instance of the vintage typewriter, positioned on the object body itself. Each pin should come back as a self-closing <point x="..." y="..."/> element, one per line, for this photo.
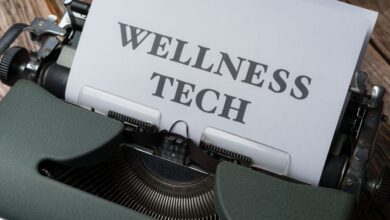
<point x="125" y="168"/>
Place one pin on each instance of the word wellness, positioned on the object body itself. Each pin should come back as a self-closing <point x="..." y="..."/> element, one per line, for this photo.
<point x="255" y="74"/>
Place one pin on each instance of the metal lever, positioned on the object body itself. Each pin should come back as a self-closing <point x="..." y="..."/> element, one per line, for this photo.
<point x="10" y="36"/>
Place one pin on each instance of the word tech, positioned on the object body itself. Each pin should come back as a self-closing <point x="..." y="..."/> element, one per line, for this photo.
<point x="254" y="74"/>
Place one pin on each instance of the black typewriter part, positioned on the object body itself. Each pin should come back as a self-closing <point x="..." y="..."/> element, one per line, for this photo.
<point x="174" y="148"/>
<point x="54" y="79"/>
<point x="77" y="12"/>
<point x="223" y="154"/>
<point x="346" y="137"/>
<point x="49" y="65"/>
<point x="152" y="173"/>
<point x="380" y="189"/>
<point x="77" y="6"/>
<point x="356" y="177"/>
<point x="354" y="144"/>
<point x="11" y="35"/>
<point x="142" y="182"/>
<point x="13" y="63"/>
<point x="132" y="124"/>
<point x="170" y="146"/>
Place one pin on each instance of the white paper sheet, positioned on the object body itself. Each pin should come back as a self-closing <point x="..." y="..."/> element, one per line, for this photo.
<point x="307" y="40"/>
<point x="371" y="17"/>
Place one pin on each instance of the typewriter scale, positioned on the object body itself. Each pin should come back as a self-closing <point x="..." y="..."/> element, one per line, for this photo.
<point x="156" y="176"/>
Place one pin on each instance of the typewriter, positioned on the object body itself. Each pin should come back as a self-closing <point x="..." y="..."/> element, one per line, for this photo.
<point x="122" y="167"/>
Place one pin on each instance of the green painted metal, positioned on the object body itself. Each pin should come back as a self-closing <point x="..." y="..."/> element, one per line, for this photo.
<point x="241" y="193"/>
<point x="35" y="126"/>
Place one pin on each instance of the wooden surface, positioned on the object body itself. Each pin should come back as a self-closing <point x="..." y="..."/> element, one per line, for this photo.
<point x="376" y="64"/>
<point x="382" y="31"/>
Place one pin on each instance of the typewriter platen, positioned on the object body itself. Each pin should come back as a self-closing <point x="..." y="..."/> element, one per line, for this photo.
<point x="162" y="174"/>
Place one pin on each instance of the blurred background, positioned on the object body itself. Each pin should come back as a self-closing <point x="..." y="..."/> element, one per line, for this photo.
<point x="376" y="64"/>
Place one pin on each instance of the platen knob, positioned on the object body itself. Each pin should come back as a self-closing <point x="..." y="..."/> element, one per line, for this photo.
<point x="381" y="189"/>
<point x="12" y="64"/>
